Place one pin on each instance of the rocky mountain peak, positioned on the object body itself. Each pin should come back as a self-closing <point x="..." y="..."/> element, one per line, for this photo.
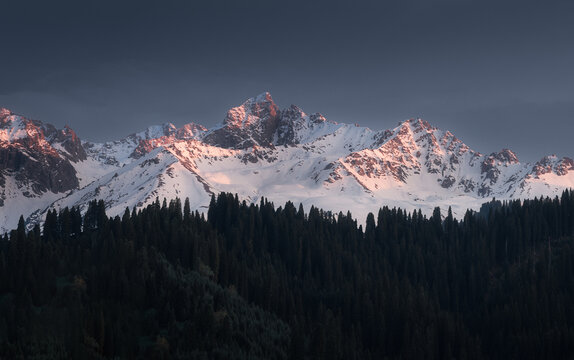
<point x="290" y="120"/>
<point x="165" y="135"/>
<point x="257" y="147"/>
<point x="292" y="112"/>
<point x="418" y="124"/>
<point x="506" y="156"/>
<point x="552" y="164"/>
<point x="565" y="165"/>
<point x="189" y="131"/>
<point x="37" y="155"/>
<point x="490" y="168"/>
<point x="252" y="123"/>
<point x="264" y="97"/>
<point x="317" y="118"/>
<point x="70" y="141"/>
<point x="257" y="109"/>
<point x="417" y="131"/>
<point x="7" y="119"/>
<point x="68" y="132"/>
<point x="4" y="112"/>
<point x="413" y="135"/>
<point x="157" y="131"/>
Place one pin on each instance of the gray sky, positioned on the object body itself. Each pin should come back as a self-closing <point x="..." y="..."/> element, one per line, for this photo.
<point x="495" y="73"/>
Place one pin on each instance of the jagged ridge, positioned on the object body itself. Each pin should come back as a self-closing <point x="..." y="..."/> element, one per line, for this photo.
<point x="261" y="150"/>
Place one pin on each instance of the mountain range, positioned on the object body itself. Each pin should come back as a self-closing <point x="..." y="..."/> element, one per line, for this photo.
<point x="260" y="150"/>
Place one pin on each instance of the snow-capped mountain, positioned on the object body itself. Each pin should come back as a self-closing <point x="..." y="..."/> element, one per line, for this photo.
<point x="36" y="165"/>
<point x="259" y="151"/>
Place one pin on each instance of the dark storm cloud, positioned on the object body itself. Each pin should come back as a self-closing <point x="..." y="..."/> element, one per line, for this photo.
<point x="495" y="73"/>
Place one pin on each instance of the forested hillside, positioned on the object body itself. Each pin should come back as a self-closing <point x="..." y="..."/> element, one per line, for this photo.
<point x="257" y="281"/>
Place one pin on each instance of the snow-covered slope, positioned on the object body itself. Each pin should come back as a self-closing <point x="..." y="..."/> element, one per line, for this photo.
<point x="260" y="150"/>
<point x="36" y="165"/>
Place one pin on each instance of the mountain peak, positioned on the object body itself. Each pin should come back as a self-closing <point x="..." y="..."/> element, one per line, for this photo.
<point x="253" y="110"/>
<point x="295" y="110"/>
<point x="260" y="151"/>
<point x="418" y="123"/>
<point x="506" y="156"/>
<point x="190" y="131"/>
<point x="157" y="131"/>
<point x="551" y="163"/>
<point x="261" y="98"/>
<point x="291" y="114"/>
<point x="317" y="118"/>
<point x="5" y="112"/>
<point x="252" y="123"/>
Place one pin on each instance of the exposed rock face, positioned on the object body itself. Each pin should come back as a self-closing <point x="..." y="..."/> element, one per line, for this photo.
<point x="138" y="144"/>
<point x="491" y="168"/>
<point x="29" y="152"/>
<point x="262" y="151"/>
<point x="290" y="120"/>
<point x="70" y="142"/>
<point x="506" y="157"/>
<point x="413" y="148"/>
<point x="149" y="140"/>
<point x="252" y="124"/>
<point x="190" y="131"/>
<point x="551" y="164"/>
<point x="259" y="122"/>
<point x="565" y="165"/>
<point x="42" y="171"/>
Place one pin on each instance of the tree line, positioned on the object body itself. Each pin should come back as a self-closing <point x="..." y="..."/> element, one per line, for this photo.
<point x="259" y="281"/>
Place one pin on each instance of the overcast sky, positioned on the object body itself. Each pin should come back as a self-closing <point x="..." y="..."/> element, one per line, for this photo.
<point x="498" y="74"/>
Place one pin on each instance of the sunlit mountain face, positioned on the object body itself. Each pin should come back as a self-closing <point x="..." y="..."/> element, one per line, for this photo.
<point x="260" y="150"/>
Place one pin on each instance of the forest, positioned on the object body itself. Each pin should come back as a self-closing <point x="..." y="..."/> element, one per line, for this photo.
<point x="256" y="281"/>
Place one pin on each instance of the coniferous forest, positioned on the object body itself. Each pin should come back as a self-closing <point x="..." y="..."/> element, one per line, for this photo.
<point x="265" y="282"/>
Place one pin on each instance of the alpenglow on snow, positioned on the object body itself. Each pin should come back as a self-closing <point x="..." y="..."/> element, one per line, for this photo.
<point x="260" y="150"/>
